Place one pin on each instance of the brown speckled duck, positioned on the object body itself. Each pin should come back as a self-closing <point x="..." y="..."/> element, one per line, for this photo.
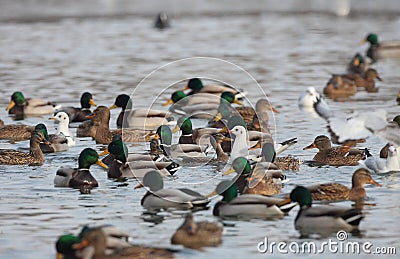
<point x="258" y="115"/>
<point x="367" y="81"/>
<point x="34" y="157"/>
<point x="337" y="191"/>
<point x="196" y="235"/>
<point x="339" y="87"/>
<point x="335" y="156"/>
<point x="16" y="132"/>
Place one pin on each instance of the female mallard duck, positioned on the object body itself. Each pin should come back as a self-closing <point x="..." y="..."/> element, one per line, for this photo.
<point x="16" y="132"/>
<point x="335" y="156"/>
<point x="378" y="50"/>
<point x="97" y="240"/>
<point x="103" y="134"/>
<point x="366" y="80"/>
<point x="200" y="105"/>
<point x="268" y="154"/>
<point x="76" y="114"/>
<point x="138" y="118"/>
<point x="262" y="179"/>
<point x="119" y="168"/>
<point x="262" y="106"/>
<point x="337" y="191"/>
<point x="357" y="65"/>
<point x="159" y="198"/>
<point x="164" y="133"/>
<point x="339" y="87"/>
<point x="196" y="235"/>
<point x="30" y="106"/>
<point x="196" y="86"/>
<point x="216" y="141"/>
<point x="322" y="220"/>
<point x="162" y="21"/>
<point x="81" y="176"/>
<point x="34" y="157"/>
<point x="247" y="206"/>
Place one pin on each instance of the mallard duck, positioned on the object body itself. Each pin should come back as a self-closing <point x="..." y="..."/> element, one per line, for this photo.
<point x="164" y="133"/>
<point x="76" y="114"/>
<point x="16" y="132"/>
<point x="97" y="240"/>
<point x="190" y="135"/>
<point x="120" y="168"/>
<point x="101" y="117"/>
<point x="200" y="105"/>
<point x="34" y="157"/>
<point x="337" y="191"/>
<point x="357" y="64"/>
<point x="30" y="106"/>
<point x="115" y="239"/>
<point x="79" y="177"/>
<point x="1" y="123"/>
<point x="159" y="198"/>
<point x="261" y="179"/>
<point x="322" y="220"/>
<point x="196" y="235"/>
<point x="339" y="87"/>
<point x="382" y="165"/>
<point x="196" y="86"/>
<point x="398" y="98"/>
<point x="378" y="50"/>
<point x="366" y="80"/>
<point x="247" y="206"/>
<point x="138" y="118"/>
<point x="216" y="140"/>
<point x="260" y="112"/>
<point x="268" y="154"/>
<point x="162" y="21"/>
<point x="335" y="156"/>
<point x="225" y="110"/>
<point x="56" y="142"/>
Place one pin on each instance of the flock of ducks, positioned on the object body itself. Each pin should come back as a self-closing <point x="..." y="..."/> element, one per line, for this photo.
<point x="236" y="135"/>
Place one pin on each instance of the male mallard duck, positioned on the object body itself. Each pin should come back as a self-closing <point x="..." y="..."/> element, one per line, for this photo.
<point x="200" y="105"/>
<point x="339" y="87"/>
<point x="76" y="114"/>
<point x="196" y="86"/>
<point x="357" y="65"/>
<point x="97" y="240"/>
<point x="30" y="106"/>
<point x="366" y="80"/>
<point x="56" y="142"/>
<point x="34" y="157"/>
<point x="119" y="168"/>
<point x="164" y="133"/>
<point x="225" y="110"/>
<point x="337" y="191"/>
<point x="268" y="154"/>
<point x="262" y="179"/>
<point x="322" y="220"/>
<point x="378" y="50"/>
<point x="16" y="132"/>
<point x="382" y="165"/>
<point x="247" y="206"/>
<point x="64" y="246"/>
<point x="159" y="198"/>
<point x="335" y="156"/>
<point x="196" y="235"/>
<point x="262" y="106"/>
<point x="190" y="135"/>
<point x="162" y="21"/>
<point x="138" y="118"/>
<point x="81" y="176"/>
<point x="101" y="116"/>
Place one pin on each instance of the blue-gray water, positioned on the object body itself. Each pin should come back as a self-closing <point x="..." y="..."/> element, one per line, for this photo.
<point x="286" y="52"/>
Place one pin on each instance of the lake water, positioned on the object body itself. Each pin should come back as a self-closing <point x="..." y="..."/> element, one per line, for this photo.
<point x="284" y="51"/>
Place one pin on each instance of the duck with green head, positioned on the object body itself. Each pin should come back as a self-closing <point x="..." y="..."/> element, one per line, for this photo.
<point x="322" y="220"/>
<point x="20" y="106"/>
<point x="159" y="198"/>
<point x="357" y="65"/>
<point x="34" y="157"/>
<point x="81" y="176"/>
<point x="120" y="168"/>
<point x="196" y="86"/>
<point x="225" y="109"/>
<point x="57" y="142"/>
<point x="247" y="206"/>
<point x="190" y="135"/>
<point x="77" y="114"/>
<point x="64" y="246"/>
<point x="378" y="50"/>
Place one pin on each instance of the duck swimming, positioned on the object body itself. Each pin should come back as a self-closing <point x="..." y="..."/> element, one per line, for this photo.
<point x="196" y="86"/>
<point x="378" y="50"/>
<point x="76" y="114"/>
<point x="79" y="177"/>
<point x="30" y="106"/>
<point x="16" y="132"/>
<point x="366" y="80"/>
<point x="357" y="65"/>
<point x="34" y="157"/>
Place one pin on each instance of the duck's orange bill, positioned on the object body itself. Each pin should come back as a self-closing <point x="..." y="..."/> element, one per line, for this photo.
<point x="98" y="162"/>
<point x="229" y="171"/>
<point x="114" y="106"/>
<point x="105" y="152"/>
<point x="169" y="102"/>
<point x="185" y="88"/>
<point x="310" y="146"/>
<point x="274" y="110"/>
<point x="10" y="106"/>
<point x="91" y="102"/>
<point x="224" y="130"/>
<point x="91" y="116"/>
<point x="84" y="243"/>
<point x="140" y="185"/>
<point x="372" y="181"/>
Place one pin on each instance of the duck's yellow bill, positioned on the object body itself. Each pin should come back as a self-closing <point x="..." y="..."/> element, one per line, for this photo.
<point x="237" y="102"/>
<point x="105" y="152"/>
<point x="185" y="88"/>
<point x="169" y="102"/>
<point x="91" y="102"/>
<point x="176" y="129"/>
<point x="284" y="202"/>
<point x="155" y="135"/>
<point x="214" y="193"/>
<point x="140" y="185"/>
<point x="60" y="256"/>
<point x="224" y="130"/>
<point x="218" y="117"/>
<point x="114" y="106"/>
<point x="101" y="164"/>
<point x="229" y="171"/>
<point x="10" y="106"/>
<point x="356" y="62"/>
